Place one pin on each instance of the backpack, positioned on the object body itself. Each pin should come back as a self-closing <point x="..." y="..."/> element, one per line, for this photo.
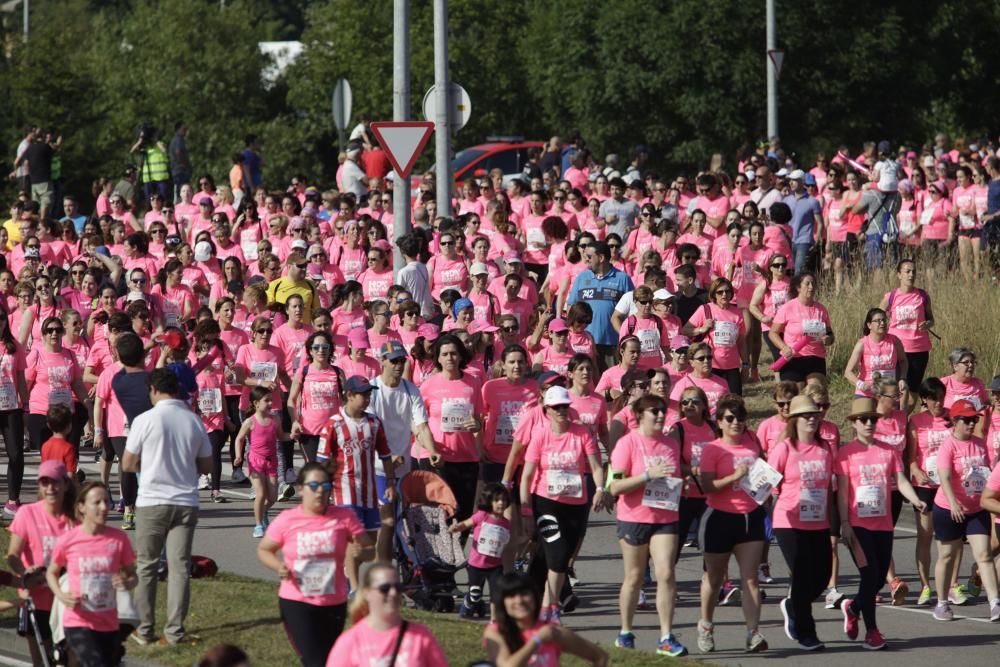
<point x="203" y="566"/>
<point x="886" y="233"/>
<point x="632" y="321"/>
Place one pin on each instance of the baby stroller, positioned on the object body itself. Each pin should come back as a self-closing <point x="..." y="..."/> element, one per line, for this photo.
<point x="427" y="554"/>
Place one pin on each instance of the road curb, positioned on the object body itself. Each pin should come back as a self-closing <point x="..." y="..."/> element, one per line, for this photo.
<point x="15" y="647"/>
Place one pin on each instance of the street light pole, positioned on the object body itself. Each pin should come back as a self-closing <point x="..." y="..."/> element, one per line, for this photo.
<point x="400" y="112"/>
<point x="772" y="79"/>
<point x="442" y="124"/>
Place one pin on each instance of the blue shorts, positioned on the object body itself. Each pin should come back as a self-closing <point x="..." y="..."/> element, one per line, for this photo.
<point x="947" y="530"/>
<point x="380" y="487"/>
<point x="368" y="516"/>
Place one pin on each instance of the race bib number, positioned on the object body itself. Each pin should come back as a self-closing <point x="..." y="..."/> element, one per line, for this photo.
<point x="927" y="216"/>
<point x="8" y="396"/>
<point x="492" y="540"/>
<point x="649" y="340"/>
<point x="930" y="465"/>
<point x="814" y="328"/>
<point x="97" y="593"/>
<point x="907" y="226"/>
<point x="61" y="396"/>
<point x="870" y="501"/>
<point x="966" y="221"/>
<point x="264" y="371"/>
<point x="724" y="334"/>
<point x="210" y="401"/>
<point x="663" y="493"/>
<point x="248" y="244"/>
<point x="760" y="481"/>
<point x="974" y="481"/>
<point x="455" y="412"/>
<point x="536" y="238"/>
<point x="506" y="425"/>
<point x="563" y="483"/>
<point x="812" y="504"/>
<point x="316" y="576"/>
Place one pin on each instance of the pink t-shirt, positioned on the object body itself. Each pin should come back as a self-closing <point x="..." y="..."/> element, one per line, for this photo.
<point x="505" y="403"/>
<point x="973" y="391"/>
<point x="562" y="462"/>
<point x="11" y="368"/>
<point x="363" y="646"/>
<point x="712" y="386"/>
<point x="877" y="357"/>
<point x="38" y="531"/>
<point x="804" y="493"/>
<point x="931" y="432"/>
<point x="449" y="404"/>
<point x="906" y="312"/>
<point x="114" y="422"/>
<point x="801" y="320"/>
<point x="993" y="483"/>
<point x="375" y="284"/>
<point x="314" y="547"/>
<point x="260" y="365"/>
<point x="722" y="459"/>
<point x="490" y="535"/>
<point x="233" y="339"/>
<point x="726" y="332"/>
<point x="969" y="465"/>
<point x="447" y="274"/>
<point x="633" y="455"/>
<point x="868" y="470"/>
<point x="611" y="379"/>
<point x="50" y="376"/>
<point x="291" y="342"/>
<point x="694" y="439"/>
<point x="771" y="431"/>
<point x="591" y="410"/>
<point x="653" y="337"/>
<point x="993" y="435"/>
<point x="320" y="397"/>
<point x="91" y="561"/>
<point x="836" y="219"/>
<point x="934" y="220"/>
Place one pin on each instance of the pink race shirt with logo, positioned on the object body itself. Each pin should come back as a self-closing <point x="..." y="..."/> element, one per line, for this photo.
<point x="804" y="493"/>
<point x="38" y="531"/>
<point x="722" y="459"/>
<point x="801" y="320"/>
<point x="51" y="376"/>
<point x="724" y="335"/>
<point x="868" y="470"/>
<point x="490" y="535"/>
<point x="564" y="454"/>
<point x="314" y="548"/>
<point x="91" y="561"/>
<point x="930" y="432"/>
<point x="449" y="404"/>
<point x="907" y="310"/>
<point x="877" y="357"/>
<point x="505" y="404"/>
<point x="968" y="463"/>
<point x="973" y="391"/>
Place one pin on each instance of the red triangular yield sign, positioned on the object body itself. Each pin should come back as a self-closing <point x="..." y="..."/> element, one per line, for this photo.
<point x="403" y="141"/>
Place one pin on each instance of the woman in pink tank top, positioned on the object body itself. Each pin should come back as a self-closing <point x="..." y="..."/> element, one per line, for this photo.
<point x="878" y="355"/>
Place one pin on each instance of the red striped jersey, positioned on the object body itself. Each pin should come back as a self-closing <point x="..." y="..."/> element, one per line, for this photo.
<point x="353" y="444"/>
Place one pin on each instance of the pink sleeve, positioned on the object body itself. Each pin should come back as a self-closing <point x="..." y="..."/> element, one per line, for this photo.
<point x="621" y="459"/>
<point x="781" y="317"/>
<point x="534" y="453"/>
<point x="840" y="466"/>
<point x="778" y="456"/>
<point x="945" y="455"/>
<point x="709" y="459"/>
<point x="698" y="317"/>
<point x="589" y="442"/>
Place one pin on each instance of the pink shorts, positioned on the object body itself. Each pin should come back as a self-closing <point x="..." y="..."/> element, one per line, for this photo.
<point x="262" y="464"/>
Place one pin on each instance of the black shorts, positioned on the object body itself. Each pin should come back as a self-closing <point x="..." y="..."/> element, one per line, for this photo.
<point x="926" y="494"/>
<point x="637" y="534"/>
<point x="897" y="506"/>
<point x="834" y="515"/>
<point x="948" y="530"/>
<point x="932" y="251"/>
<point x="799" y="368"/>
<point x="847" y="250"/>
<point x="916" y="367"/>
<point x="721" y="531"/>
<point x="970" y="233"/>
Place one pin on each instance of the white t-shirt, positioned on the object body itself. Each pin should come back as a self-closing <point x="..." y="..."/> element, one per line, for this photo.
<point x="888" y="175"/>
<point x="626" y="304"/>
<point x="353" y="176"/>
<point x="168" y="439"/>
<point x="402" y="410"/>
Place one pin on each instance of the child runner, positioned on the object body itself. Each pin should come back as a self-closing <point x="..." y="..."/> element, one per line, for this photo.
<point x="490" y="535"/>
<point x="264" y="432"/>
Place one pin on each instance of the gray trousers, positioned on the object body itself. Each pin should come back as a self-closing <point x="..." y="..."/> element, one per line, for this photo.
<point x="156" y="526"/>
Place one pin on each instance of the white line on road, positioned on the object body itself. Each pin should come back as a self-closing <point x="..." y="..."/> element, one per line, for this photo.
<point x="931" y="613"/>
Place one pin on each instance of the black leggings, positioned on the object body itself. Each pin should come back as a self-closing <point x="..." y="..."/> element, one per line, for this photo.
<point x="309" y="445"/>
<point x="286" y="448"/>
<point x="12" y="427"/>
<point x="559" y="528"/>
<point x="38" y="431"/>
<point x="312" y="629"/>
<point x="218" y="440"/>
<point x="462" y="478"/>
<point x="916" y="366"/>
<point x="233" y="415"/>
<point x="477" y="580"/>
<point x="689" y="510"/>
<point x="877" y="548"/>
<point x="810" y="561"/>
<point x="733" y="378"/>
<point x="93" y="648"/>
<point x="130" y="481"/>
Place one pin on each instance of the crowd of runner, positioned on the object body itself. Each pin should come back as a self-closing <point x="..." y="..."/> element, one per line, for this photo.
<point x="573" y="339"/>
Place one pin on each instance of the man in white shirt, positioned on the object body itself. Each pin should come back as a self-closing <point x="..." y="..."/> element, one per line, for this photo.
<point x="169" y="447"/>
<point x="397" y="402"/>
<point x="353" y="175"/>
<point x="766" y="194"/>
<point x="414" y="276"/>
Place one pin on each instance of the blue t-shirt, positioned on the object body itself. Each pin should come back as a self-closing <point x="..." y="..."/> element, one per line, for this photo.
<point x="251" y="161"/>
<point x="188" y="380"/>
<point x="993" y="196"/>
<point x="78" y="222"/>
<point x="805" y="209"/>
<point x="601" y="294"/>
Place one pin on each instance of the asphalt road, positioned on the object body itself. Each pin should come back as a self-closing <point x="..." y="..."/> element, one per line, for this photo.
<point x="224" y="534"/>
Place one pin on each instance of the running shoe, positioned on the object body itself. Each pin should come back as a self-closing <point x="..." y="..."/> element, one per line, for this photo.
<point x="204" y="483"/>
<point x="258" y="531"/>
<point x="706" y="637"/>
<point x="756" y="642"/>
<point x="975" y="585"/>
<point x="926" y="594"/>
<point x="899" y="590"/>
<point x="834" y="598"/>
<point x="995" y="611"/>
<point x="642" y="603"/>
<point x="671" y="647"/>
<point x="874" y="641"/>
<point x="219" y="498"/>
<point x="764" y="574"/>
<point x="11" y="507"/>
<point x="850" y="619"/>
<point x="786" y="611"/>
<point x="570" y="602"/>
<point x="729" y="595"/>
<point x="625" y="640"/>
<point x="957" y="595"/>
<point x="128" y="521"/>
<point x="465" y="611"/>
<point x="690" y="541"/>
<point x="286" y="492"/>
<point x="239" y="476"/>
<point x="942" y="612"/>
<point x="811" y="644"/>
<point x="571" y="575"/>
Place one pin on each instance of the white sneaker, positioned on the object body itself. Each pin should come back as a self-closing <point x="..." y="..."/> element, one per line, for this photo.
<point x="291" y="475"/>
<point x="833" y="598"/>
<point x="204" y="483"/>
<point x="764" y="574"/>
<point x="238" y="476"/>
<point x="995" y="611"/>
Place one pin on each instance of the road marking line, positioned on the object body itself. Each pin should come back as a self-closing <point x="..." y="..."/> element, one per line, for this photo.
<point x="931" y="613"/>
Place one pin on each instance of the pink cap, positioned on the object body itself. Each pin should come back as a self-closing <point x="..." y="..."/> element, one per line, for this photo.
<point x="383" y="245"/>
<point x="678" y="341"/>
<point x="358" y="339"/>
<point x="428" y="331"/>
<point x="51" y="469"/>
<point x="512" y="257"/>
<point x="481" y="326"/>
<point x="297" y="223"/>
<point x="557" y="325"/>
